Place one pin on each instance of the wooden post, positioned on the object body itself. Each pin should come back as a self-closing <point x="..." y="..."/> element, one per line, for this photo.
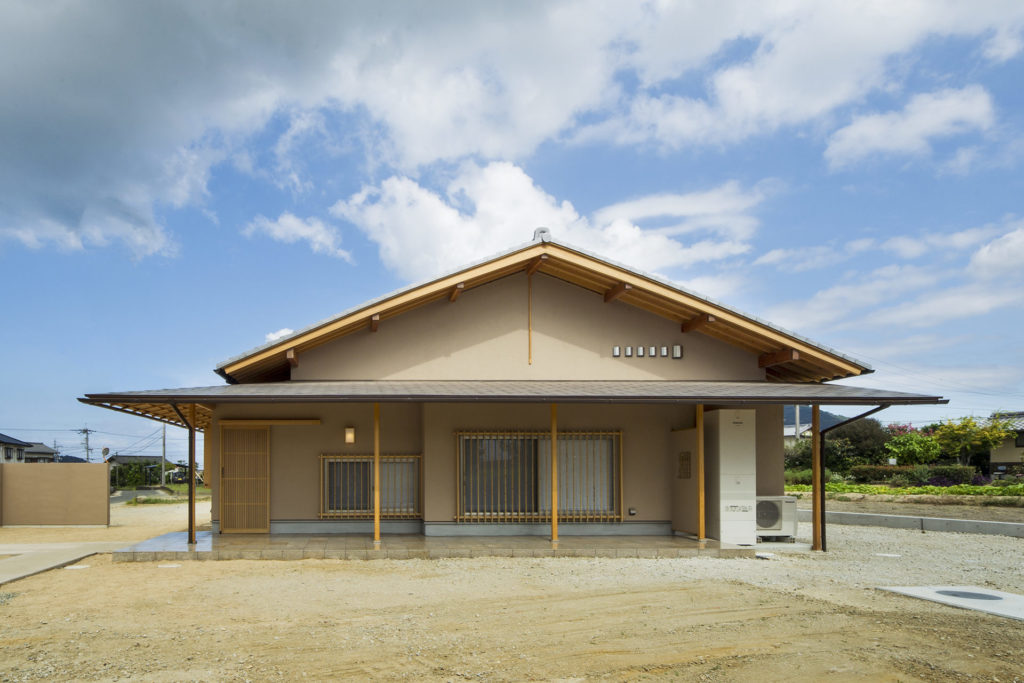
<point x="192" y="474"/>
<point x="701" y="512"/>
<point x="376" y="476"/>
<point x="554" y="475"/>
<point x="817" y="486"/>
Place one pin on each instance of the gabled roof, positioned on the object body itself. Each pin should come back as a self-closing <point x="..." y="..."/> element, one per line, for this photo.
<point x="786" y="356"/>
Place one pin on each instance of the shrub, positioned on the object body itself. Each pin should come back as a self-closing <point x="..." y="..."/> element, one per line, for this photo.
<point x="980" y="480"/>
<point x="806" y="476"/>
<point x="868" y="473"/>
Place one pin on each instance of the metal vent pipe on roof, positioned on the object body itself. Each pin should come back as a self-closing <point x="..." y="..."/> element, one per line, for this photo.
<point x="542" y="235"/>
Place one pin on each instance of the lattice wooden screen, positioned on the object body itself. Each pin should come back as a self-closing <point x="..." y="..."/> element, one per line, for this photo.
<point x="245" y="480"/>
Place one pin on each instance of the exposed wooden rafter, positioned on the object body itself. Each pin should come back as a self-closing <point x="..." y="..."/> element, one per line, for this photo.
<point x="694" y="324"/>
<point x="293" y="358"/>
<point x="374" y="322"/>
<point x="456" y="290"/>
<point x="617" y="291"/>
<point x="767" y="360"/>
<point x="535" y="264"/>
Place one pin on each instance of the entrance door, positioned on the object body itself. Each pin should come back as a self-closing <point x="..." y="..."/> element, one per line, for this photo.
<point x="244" y="480"/>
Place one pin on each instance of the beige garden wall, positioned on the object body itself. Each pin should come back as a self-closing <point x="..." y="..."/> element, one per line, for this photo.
<point x="483" y="335"/>
<point x="54" y="494"/>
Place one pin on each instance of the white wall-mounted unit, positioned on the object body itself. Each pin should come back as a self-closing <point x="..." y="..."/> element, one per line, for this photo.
<point x="776" y="517"/>
<point x="731" y="475"/>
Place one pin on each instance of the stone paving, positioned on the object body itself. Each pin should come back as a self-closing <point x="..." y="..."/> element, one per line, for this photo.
<point x="213" y="546"/>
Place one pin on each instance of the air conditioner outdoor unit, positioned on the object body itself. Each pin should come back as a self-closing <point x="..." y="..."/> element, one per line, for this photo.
<point x="776" y="517"/>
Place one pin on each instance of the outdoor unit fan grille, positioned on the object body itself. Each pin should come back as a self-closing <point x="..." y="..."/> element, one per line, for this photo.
<point x="769" y="514"/>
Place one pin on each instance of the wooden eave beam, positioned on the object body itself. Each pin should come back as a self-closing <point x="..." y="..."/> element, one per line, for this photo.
<point x="374" y="322"/>
<point x="456" y="291"/>
<point x="293" y="358"/>
<point x="267" y="422"/>
<point x="617" y="291"/>
<point x="535" y="264"/>
<point x="767" y="360"/>
<point x="694" y="324"/>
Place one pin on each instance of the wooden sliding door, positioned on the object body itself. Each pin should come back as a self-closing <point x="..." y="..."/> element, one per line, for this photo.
<point x="245" y="480"/>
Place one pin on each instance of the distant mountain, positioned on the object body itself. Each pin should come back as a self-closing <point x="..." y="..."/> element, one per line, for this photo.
<point x="72" y="458"/>
<point x="827" y="419"/>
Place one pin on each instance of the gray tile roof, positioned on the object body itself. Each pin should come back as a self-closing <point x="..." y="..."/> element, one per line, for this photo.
<point x="11" y="441"/>
<point x="568" y="391"/>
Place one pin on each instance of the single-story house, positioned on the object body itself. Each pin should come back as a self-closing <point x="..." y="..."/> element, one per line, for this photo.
<point x="1011" y="451"/>
<point x="40" y="452"/>
<point x="13" y="450"/>
<point x="543" y="391"/>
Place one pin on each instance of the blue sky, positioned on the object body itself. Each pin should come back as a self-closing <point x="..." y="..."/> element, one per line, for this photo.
<point x="178" y="181"/>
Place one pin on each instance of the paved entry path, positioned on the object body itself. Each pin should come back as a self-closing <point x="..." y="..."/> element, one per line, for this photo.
<point x="18" y="560"/>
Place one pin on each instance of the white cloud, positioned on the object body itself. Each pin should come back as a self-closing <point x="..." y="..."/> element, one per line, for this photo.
<point x="483" y="210"/>
<point x="322" y="238"/>
<point x="178" y="88"/>
<point x="909" y="132"/>
<point x="911" y="247"/>
<point x="280" y="334"/>
<point x="1001" y="257"/>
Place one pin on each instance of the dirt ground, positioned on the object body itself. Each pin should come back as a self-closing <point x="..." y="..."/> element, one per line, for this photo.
<point x="798" y="616"/>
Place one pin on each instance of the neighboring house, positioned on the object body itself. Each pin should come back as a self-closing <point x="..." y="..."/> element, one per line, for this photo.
<point x="40" y="452"/>
<point x="789" y="433"/>
<point x="12" y="450"/>
<point x="544" y="390"/>
<point x="1011" y="451"/>
<point x="118" y="459"/>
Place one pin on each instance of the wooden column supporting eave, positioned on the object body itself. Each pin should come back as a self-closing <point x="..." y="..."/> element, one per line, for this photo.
<point x="376" y="476"/>
<point x="191" y="474"/>
<point x="701" y="512"/>
<point x="817" y="484"/>
<point x="554" y="475"/>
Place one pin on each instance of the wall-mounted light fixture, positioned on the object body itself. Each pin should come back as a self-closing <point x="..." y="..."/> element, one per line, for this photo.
<point x="350" y="434"/>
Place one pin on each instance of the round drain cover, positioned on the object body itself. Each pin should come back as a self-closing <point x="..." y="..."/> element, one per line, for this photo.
<point x="968" y="595"/>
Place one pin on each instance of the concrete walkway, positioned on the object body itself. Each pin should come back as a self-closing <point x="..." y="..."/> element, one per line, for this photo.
<point x="963" y="526"/>
<point x="18" y="560"/>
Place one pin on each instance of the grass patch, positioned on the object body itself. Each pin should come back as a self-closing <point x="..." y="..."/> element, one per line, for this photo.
<point x="144" y="500"/>
<point x="958" y="490"/>
<point x="6" y="598"/>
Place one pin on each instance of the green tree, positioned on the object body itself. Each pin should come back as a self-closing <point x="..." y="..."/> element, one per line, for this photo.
<point x="838" y="455"/>
<point x="913" y="448"/>
<point x="865" y="439"/>
<point x="965" y="437"/>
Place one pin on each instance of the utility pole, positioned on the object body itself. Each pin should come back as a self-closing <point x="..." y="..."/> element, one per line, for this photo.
<point x="163" y="457"/>
<point x="56" y="455"/>
<point x="87" y="432"/>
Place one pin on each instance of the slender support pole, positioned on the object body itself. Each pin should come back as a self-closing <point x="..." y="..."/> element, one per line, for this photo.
<point x="702" y="532"/>
<point x="554" y="475"/>
<point x="821" y="499"/>
<point x="818" y="479"/>
<point x="376" y="476"/>
<point x="192" y="474"/>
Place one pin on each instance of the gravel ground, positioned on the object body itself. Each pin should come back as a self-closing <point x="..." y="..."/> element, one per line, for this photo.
<point x="795" y="616"/>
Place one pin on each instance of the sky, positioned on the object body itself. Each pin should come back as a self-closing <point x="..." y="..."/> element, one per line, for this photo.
<point x="181" y="181"/>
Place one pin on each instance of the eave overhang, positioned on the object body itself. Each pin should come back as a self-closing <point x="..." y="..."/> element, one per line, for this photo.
<point x="158" y="404"/>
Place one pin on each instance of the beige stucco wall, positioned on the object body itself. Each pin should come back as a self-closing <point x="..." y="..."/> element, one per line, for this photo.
<point x="650" y="449"/>
<point x="771" y="479"/>
<point x="646" y="433"/>
<point x="295" y="450"/>
<point x="54" y="493"/>
<point x="483" y="335"/>
<point x="1007" y="453"/>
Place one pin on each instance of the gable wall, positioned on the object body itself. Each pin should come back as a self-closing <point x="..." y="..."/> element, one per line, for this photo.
<point x="483" y="335"/>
